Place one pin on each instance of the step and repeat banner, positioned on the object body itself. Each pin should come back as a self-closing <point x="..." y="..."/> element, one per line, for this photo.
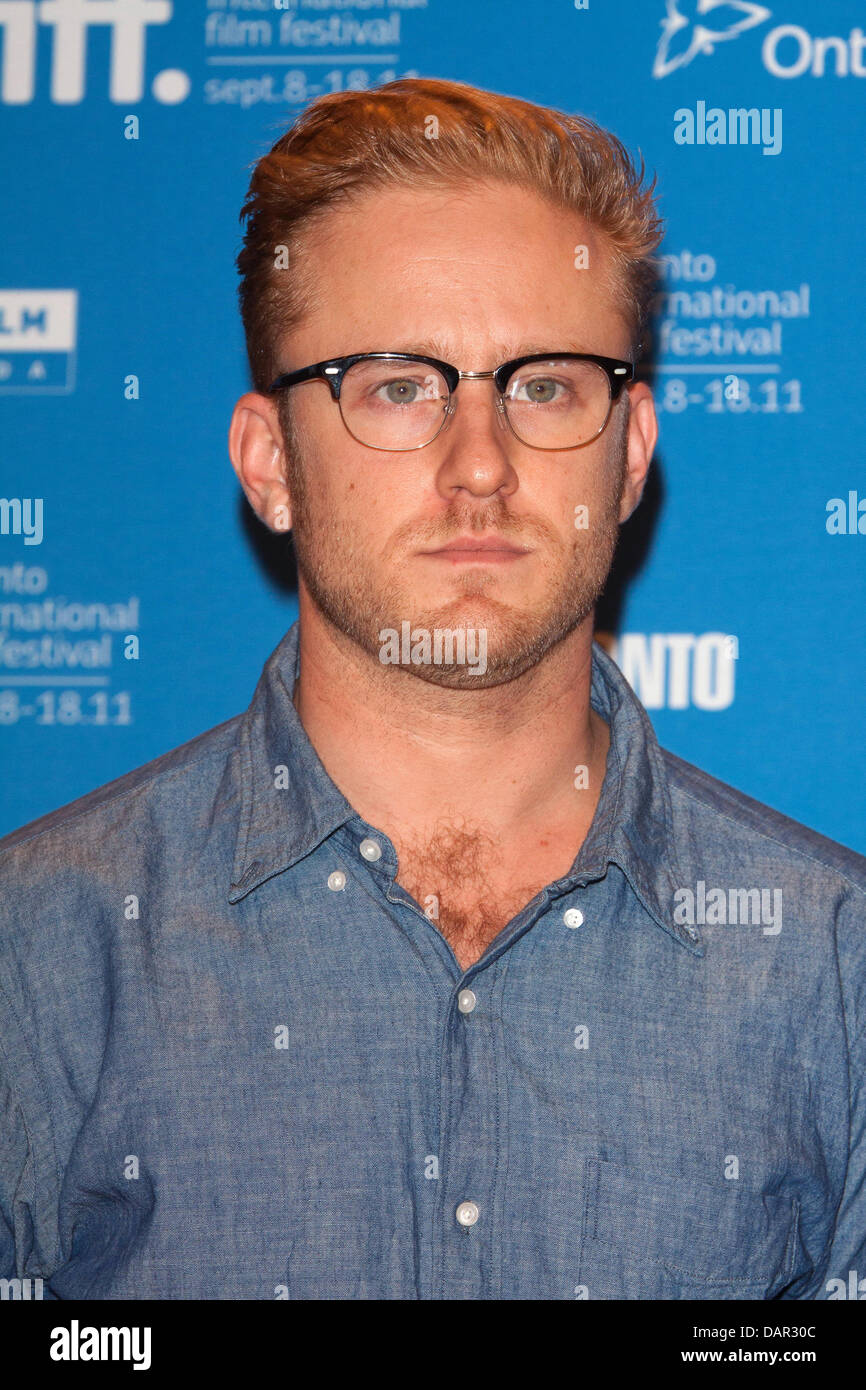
<point x="139" y="598"/>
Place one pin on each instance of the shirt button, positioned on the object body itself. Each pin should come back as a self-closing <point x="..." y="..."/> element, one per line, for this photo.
<point x="336" y="881"/>
<point x="370" y="850"/>
<point x="573" y="917"/>
<point x="467" y="1213"/>
<point x="466" y="1001"/>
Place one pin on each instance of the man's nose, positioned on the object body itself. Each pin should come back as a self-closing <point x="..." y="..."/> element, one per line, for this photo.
<point x="475" y="440"/>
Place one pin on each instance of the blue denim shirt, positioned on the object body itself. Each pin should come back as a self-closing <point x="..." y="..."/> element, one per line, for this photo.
<point x="240" y="1062"/>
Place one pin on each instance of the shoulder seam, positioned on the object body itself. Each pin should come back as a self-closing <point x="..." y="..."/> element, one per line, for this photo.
<point x="86" y="811"/>
<point x="791" y="849"/>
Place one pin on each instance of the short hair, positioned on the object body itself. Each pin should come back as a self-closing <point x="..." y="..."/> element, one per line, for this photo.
<point x="348" y="143"/>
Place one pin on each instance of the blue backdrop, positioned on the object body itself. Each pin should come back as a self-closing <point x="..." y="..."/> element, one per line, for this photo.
<point x="139" y="600"/>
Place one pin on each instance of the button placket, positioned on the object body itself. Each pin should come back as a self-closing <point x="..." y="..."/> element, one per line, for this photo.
<point x="473" y="1139"/>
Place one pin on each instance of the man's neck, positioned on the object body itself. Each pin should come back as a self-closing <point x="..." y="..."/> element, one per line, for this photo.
<point x="406" y="753"/>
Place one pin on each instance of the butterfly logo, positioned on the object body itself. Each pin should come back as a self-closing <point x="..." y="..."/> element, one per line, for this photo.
<point x="685" y="32"/>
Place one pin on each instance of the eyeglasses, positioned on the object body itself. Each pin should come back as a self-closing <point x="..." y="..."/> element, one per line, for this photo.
<point x="399" y="401"/>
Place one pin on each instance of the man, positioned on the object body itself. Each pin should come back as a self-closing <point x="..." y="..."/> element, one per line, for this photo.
<point x="424" y="978"/>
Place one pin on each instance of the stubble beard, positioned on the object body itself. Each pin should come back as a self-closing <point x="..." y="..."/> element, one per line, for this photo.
<point x="341" y="584"/>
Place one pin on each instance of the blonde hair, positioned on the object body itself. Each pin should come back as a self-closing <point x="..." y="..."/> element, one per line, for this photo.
<point x="348" y="143"/>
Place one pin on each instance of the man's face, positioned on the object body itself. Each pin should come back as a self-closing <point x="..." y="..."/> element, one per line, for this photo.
<point x="473" y="276"/>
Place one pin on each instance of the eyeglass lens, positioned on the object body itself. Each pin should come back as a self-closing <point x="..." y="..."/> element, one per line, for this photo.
<point x="393" y="403"/>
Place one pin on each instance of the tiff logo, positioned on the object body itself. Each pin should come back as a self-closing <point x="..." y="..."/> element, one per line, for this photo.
<point x="70" y="21"/>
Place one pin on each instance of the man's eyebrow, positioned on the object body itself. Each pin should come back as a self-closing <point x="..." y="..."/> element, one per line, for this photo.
<point x="433" y="347"/>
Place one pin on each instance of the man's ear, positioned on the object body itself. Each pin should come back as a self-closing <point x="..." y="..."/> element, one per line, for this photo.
<point x="257" y="453"/>
<point x="642" y="435"/>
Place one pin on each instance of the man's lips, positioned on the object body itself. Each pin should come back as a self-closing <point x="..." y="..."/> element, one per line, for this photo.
<point x="487" y="549"/>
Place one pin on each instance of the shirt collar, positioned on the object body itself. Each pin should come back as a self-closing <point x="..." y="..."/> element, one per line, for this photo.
<point x="633" y="822"/>
<point x="289" y="804"/>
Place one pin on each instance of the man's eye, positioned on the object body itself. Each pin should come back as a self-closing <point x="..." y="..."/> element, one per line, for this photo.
<point x="540" y="390"/>
<point x="401" y="391"/>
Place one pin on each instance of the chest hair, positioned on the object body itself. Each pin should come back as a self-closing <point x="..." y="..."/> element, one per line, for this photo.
<point x="462" y="880"/>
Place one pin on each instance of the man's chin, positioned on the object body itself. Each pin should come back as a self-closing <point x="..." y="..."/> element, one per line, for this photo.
<point x="468" y="677"/>
<point x="472" y="645"/>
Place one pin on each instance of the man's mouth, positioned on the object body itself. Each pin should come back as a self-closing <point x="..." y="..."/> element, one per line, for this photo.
<point x="484" y="549"/>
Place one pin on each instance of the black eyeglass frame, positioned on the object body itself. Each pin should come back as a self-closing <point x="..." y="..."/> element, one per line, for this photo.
<point x="619" y="373"/>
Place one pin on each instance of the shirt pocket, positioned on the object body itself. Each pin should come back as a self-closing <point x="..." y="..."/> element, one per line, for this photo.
<point x="653" y="1236"/>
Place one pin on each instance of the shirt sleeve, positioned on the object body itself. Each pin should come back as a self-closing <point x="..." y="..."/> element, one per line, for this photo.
<point x="17" y="1259"/>
<point x="15" y="1225"/>
<point x="844" y="1274"/>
